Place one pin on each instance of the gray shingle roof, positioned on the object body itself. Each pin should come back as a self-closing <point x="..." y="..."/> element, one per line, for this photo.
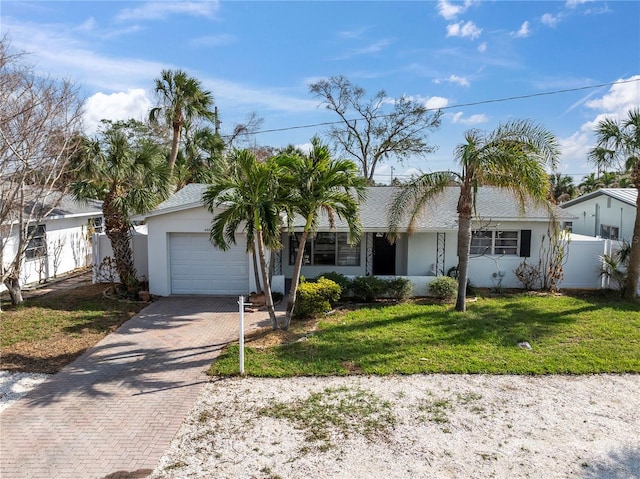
<point x="492" y="203"/>
<point x="626" y="195"/>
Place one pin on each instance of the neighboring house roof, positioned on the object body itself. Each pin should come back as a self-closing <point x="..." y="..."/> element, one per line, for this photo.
<point x="626" y="195"/>
<point x="493" y="204"/>
<point x="56" y="206"/>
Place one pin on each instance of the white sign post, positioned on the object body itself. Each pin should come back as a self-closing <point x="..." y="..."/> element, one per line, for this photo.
<point x="241" y="342"/>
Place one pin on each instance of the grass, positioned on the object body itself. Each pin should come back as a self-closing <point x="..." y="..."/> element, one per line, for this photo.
<point x="342" y="410"/>
<point x="46" y="333"/>
<point x="581" y="334"/>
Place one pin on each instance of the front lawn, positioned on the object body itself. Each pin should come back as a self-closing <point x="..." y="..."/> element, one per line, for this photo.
<point x="568" y="334"/>
<point x="44" y="334"/>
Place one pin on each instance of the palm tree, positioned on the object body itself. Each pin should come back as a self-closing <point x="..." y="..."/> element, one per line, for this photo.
<point x="562" y="188"/>
<point x="316" y="183"/>
<point x="589" y="184"/>
<point x="247" y="194"/>
<point x="126" y="169"/>
<point x="618" y="146"/>
<point x="182" y="100"/>
<point x="197" y="162"/>
<point x="514" y="156"/>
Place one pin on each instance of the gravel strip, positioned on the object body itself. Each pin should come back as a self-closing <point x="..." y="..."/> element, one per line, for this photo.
<point x="441" y="426"/>
<point x="15" y="385"/>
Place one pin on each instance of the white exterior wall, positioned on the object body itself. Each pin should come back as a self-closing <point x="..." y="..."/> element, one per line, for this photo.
<point x="102" y="249"/>
<point x="602" y="210"/>
<point x="583" y="266"/>
<point x="68" y="249"/>
<point x="193" y="220"/>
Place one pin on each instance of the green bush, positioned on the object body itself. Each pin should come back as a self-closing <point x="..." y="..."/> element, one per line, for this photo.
<point x="368" y="288"/>
<point x="340" y="279"/>
<point x="443" y="287"/>
<point x="399" y="288"/>
<point x="315" y="298"/>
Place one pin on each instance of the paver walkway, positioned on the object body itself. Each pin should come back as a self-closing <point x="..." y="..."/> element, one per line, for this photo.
<point x="114" y="411"/>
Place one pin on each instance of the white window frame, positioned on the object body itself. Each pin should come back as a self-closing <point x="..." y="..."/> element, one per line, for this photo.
<point x="343" y="253"/>
<point x="37" y="245"/>
<point x="492" y="247"/>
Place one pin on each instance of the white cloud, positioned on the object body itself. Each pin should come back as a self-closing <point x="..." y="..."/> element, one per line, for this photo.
<point x="620" y="98"/>
<point x="523" y="32"/>
<point x="461" y="29"/>
<point x="369" y="49"/>
<point x="462" y="81"/>
<point x="472" y="120"/>
<point x="435" y="102"/>
<point x="115" y="106"/>
<point x="161" y="10"/>
<point x="482" y="47"/>
<point x="88" y="25"/>
<point x="449" y="10"/>
<point x="575" y="3"/>
<point x="550" y="20"/>
<point x="304" y="147"/>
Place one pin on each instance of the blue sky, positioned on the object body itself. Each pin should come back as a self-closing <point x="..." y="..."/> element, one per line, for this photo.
<point x="261" y="56"/>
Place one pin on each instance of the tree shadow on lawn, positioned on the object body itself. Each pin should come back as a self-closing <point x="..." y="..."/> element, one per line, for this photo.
<point x="620" y="464"/>
<point x="387" y="337"/>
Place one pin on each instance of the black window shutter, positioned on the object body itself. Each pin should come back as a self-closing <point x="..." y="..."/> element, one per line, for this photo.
<point x="525" y="243"/>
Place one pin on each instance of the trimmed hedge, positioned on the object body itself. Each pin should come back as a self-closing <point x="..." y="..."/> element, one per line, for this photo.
<point x="314" y="298"/>
<point x="340" y="279"/>
<point x="443" y="287"/>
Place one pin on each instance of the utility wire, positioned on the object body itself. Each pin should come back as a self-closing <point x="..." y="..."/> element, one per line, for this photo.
<point x="449" y="107"/>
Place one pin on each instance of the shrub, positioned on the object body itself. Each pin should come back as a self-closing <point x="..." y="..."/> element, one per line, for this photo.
<point x="368" y="288"/>
<point x="315" y="298"/>
<point x="443" y="287"/>
<point x="528" y="275"/>
<point x="399" y="288"/>
<point x="340" y="279"/>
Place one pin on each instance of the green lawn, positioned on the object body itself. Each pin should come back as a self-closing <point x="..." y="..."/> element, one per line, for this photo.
<point x="568" y="334"/>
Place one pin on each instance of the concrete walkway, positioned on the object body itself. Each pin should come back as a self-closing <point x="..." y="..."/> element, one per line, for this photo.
<point x="114" y="411"/>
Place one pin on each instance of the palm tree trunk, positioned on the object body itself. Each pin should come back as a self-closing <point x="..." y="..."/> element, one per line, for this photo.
<point x="464" y="242"/>
<point x="174" y="148"/>
<point x="633" y="270"/>
<point x="295" y="278"/>
<point x="265" y="279"/>
<point x="256" y="271"/>
<point x="118" y="231"/>
<point x="12" y="282"/>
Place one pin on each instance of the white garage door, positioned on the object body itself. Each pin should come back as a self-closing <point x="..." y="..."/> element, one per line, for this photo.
<point x="197" y="267"/>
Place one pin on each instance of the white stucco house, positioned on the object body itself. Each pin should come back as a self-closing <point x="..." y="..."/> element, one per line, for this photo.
<point x="608" y="213"/>
<point x="182" y="260"/>
<point x="59" y="243"/>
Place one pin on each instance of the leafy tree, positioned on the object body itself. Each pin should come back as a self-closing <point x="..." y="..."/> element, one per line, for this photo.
<point x="39" y="123"/>
<point x="589" y="184"/>
<point x="562" y="188"/>
<point x="181" y="100"/>
<point x="374" y="135"/>
<point x="125" y="168"/>
<point x="514" y="156"/>
<point x="618" y="146"/>
<point x="202" y="150"/>
<point x="316" y="183"/>
<point x="247" y="194"/>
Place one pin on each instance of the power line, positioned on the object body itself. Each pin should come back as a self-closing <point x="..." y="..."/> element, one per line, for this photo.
<point x="449" y="107"/>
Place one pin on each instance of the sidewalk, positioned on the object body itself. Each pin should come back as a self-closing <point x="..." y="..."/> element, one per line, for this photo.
<point x="114" y="411"/>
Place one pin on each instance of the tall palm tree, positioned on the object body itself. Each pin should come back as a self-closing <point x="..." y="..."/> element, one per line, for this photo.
<point x="247" y="194"/>
<point x="201" y="154"/>
<point x="589" y="184"/>
<point x="618" y="146"/>
<point x="316" y="183"/>
<point x="514" y="156"/>
<point x="126" y="169"/>
<point x="181" y="99"/>
<point x="562" y="188"/>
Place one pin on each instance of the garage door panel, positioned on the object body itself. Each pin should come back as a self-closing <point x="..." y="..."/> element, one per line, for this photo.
<point x="197" y="267"/>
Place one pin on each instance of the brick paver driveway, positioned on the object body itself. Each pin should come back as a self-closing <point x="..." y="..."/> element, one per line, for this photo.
<point x="113" y="412"/>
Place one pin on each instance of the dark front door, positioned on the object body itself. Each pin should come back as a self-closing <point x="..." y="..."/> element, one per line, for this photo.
<point x="384" y="256"/>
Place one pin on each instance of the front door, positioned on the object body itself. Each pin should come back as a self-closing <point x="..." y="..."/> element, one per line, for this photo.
<point x="384" y="256"/>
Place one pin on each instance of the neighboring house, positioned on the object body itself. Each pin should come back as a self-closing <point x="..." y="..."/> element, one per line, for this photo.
<point x="608" y="213"/>
<point x="61" y="242"/>
<point x="182" y="260"/>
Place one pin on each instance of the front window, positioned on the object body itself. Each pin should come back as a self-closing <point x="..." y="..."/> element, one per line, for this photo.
<point x="37" y="246"/>
<point x="494" y="242"/>
<point x="325" y="249"/>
